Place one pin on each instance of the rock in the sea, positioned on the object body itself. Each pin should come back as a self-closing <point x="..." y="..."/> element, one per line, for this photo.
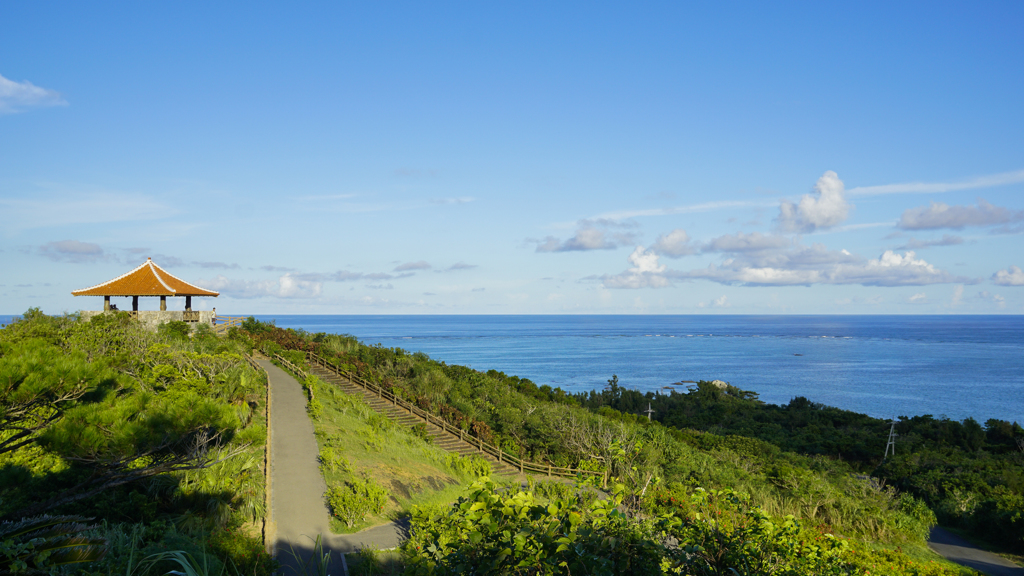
<point x="721" y="384"/>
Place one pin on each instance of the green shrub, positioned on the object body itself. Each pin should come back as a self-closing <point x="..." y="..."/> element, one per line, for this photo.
<point x="332" y="461"/>
<point x="472" y="466"/>
<point x="708" y="533"/>
<point x="315" y="409"/>
<point x="175" y="329"/>
<point x="420" y="431"/>
<point x="356" y="499"/>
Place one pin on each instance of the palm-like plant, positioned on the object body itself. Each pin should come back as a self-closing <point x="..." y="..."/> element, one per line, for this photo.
<point x="34" y="545"/>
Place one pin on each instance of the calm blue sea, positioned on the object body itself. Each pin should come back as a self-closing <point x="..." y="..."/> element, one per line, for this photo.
<point x="954" y="366"/>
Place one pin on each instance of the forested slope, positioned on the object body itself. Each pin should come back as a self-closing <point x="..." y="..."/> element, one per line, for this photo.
<point x="971" y="475"/>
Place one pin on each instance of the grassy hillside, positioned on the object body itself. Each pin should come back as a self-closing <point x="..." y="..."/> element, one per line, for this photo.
<point x="669" y="479"/>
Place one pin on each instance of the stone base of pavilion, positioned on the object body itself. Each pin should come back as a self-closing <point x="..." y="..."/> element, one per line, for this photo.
<point x="151" y="319"/>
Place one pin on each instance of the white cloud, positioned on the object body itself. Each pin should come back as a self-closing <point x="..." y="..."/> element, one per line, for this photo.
<point x="816" y="265"/>
<point x="1012" y="276"/>
<point x="591" y="235"/>
<point x="72" y="251"/>
<point x="918" y="298"/>
<point x="19" y="96"/>
<point x="815" y="256"/>
<point x="347" y="276"/>
<point x="996" y="299"/>
<point x="459" y="266"/>
<point x="826" y="208"/>
<point x="751" y="276"/>
<point x="645" y="272"/>
<point x="740" y="242"/>
<point x="939" y="215"/>
<point x="421" y="265"/>
<point x="675" y="244"/>
<point x="287" y="286"/>
<point x="892" y="269"/>
<point x="989" y="181"/>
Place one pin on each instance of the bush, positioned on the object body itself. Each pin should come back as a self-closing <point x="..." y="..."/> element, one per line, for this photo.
<point x="357" y="499"/>
<point x="330" y="460"/>
<point x="420" y="431"/>
<point x="315" y="409"/>
<point x="175" y="329"/>
<point x="473" y="466"/>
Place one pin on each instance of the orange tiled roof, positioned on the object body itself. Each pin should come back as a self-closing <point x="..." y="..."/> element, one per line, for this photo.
<point x="146" y="280"/>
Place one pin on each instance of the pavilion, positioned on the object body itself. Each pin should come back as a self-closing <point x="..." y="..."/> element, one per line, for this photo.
<point x="148" y="280"/>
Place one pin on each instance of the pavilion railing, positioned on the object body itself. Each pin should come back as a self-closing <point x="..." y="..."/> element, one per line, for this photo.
<point x="500" y="455"/>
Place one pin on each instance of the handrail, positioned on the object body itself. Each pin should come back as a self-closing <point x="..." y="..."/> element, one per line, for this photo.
<point x="484" y="447"/>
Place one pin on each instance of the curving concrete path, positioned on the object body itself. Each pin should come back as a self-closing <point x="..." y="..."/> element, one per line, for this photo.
<point x="298" y="512"/>
<point x="956" y="549"/>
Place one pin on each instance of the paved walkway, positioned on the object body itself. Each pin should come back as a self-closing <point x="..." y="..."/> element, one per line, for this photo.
<point x="298" y="511"/>
<point x="956" y="549"/>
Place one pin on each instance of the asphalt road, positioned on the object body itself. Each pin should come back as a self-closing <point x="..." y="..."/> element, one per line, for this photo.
<point x="956" y="549"/>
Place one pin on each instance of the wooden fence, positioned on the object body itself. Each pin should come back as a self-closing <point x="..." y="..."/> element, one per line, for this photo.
<point x="500" y="455"/>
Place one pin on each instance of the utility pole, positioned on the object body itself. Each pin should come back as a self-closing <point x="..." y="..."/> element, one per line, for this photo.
<point x="892" y="439"/>
<point x="649" y="411"/>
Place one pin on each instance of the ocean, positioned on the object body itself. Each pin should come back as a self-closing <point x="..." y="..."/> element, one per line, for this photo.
<point x="884" y="366"/>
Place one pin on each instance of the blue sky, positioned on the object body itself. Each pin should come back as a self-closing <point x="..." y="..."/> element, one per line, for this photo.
<point x="517" y="158"/>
